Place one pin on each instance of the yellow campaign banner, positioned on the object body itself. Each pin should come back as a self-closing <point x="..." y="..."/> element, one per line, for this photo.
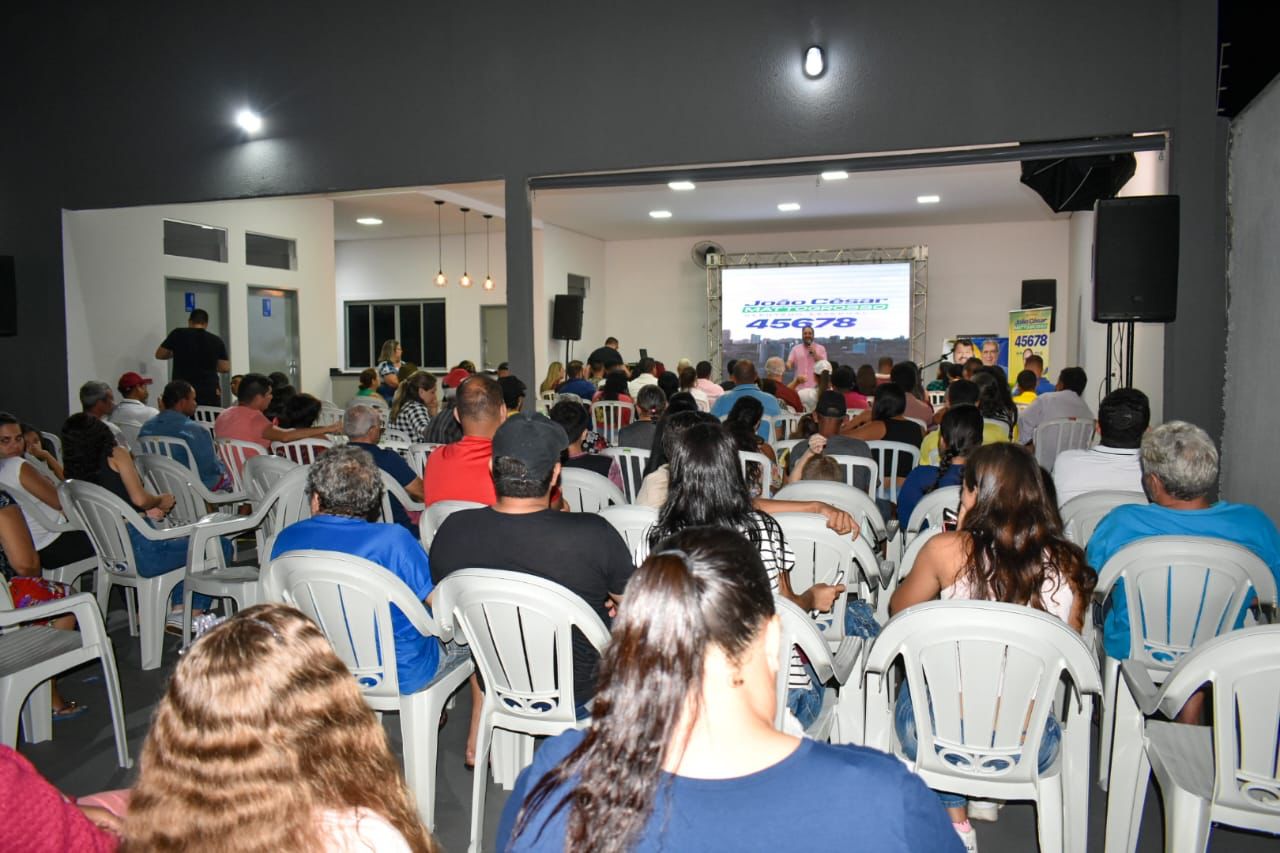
<point x="1028" y="335"/>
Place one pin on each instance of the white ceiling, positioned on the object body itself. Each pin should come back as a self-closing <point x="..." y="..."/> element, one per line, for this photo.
<point x="970" y="194"/>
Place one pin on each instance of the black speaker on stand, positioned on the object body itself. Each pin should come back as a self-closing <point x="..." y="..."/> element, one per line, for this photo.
<point x="566" y="321"/>
<point x="1042" y="293"/>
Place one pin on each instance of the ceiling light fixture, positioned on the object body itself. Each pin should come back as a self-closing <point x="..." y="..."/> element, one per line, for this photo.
<point x="814" y="62"/>
<point x="465" y="281"/>
<point x="488" y="279"/>
<point x="789" y="206"/>
<point x="368" y="220"/>
<point x="441" y="281"/>
<point x="928" y="199"/>
<point x="681" y="185"/>
<point x="835" y="175"/>
<point x="660" y="214"/>
<point x="249" y="121"/>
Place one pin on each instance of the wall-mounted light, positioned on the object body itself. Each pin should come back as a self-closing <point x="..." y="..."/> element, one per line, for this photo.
<point x="681" y="186"/>
<point x="660" y="214"/>
<point x="789" y="207"/>
<point x="368" y="220"/>
<point x="928" y="199"/>
<point x="835" y="175"/>
<point x="441" y="281"/>
<point x="249" y="121"/>
<point x="465" y="281"/>
<point x="488" y="279"/>
<point x="814" y="62"/>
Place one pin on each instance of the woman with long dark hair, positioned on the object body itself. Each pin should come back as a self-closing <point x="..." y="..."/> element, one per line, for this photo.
<point x="995" y="399"/>
<point x="889" y="423"/>
<point x="961" y="435"/>
<point x="1009" y="547"/>
<point x="743" y="423"/>
<point x="614" y="388"/>
<point x="682" y="753"/>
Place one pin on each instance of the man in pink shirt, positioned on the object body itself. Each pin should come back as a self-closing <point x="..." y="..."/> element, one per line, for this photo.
<point x="245" y="421"/>
<point x="704" y="383"/>
<point x="803" y="356"/>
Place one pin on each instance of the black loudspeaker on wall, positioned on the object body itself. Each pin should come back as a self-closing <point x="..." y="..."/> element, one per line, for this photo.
<point x="566" y="320"/>
<point x="8" y="298"/>
<point x="1041" y="293"/>
<point x="1135" y="260"/>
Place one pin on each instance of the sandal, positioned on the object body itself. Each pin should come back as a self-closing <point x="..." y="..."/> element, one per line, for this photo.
<point x="70" y="711"/>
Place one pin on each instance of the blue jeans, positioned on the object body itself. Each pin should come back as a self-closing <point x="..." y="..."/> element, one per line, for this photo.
<point x="159" y="557"/>
<point x="805" y="703"/>
<point x="904" y="722"/>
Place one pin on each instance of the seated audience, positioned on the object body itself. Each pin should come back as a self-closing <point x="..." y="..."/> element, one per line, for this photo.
<point x="960" y="435"/>
<point x="1026" y="388"/>
<point x="828" y="421"/>
<point x="646" y="374"/>
<point x="245" y="421"/>
<point x="1035" y="364"/>
<point x="282" y="391"/>
<point x="362" y="423"/>
<point x="574" y="419"/>
<point x="179" y="399"/>
<point x="822" y="383"/>
<point x="743" y="423"/>
<point x="668" y="381"/>
<point x="961" y="392"/>
<point x="300" y="412"/>
<point x="97" y="401"/>
<point x="388" y="368"/>
<point x="262" y="741"/>
<point x="414" y="405"/>
<point x="1008" y="547"/>
<point x="513" y="389"/>
<point x="948" y="372"/>
<point x="888" y="423"/>
<point x="819" y="467"/>
<point x="652" y="771"/>
<point x="1113" y="464"/>
<point x="689" y="384"/>
<point x="884" y="369"/>
<point x="1179" y="470"/>
<point x="774" y="368"/>
<point x="1066" y="402"/>
<point x="50" y="822"/>
<point x="454" y="378"/>
<point x="615" y="388"/>
<point x="905" y="375"/>
<point x="345" y="490"/>
<point x="994" y="399"/>
<point x="704" y="383"/>
<point x="40" y="455"/>
<point x="368" y="383"/>
<point x="460" y="471"/>
<point x="744" y="385"/>
<point x="234" y="383"/>
<point x="555" y="377"/>
<point x="132" y="411"/>
<point x="576" y="383"/>
<point x="971" y="366"/>
<point x="650" y="406"/>
<point x="846" y="381"/>
<point x="865" y="383"/>
<point x="56" y="547"/>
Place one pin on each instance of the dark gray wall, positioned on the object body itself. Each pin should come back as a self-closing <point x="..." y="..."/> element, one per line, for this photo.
<point x="125" y="104"/>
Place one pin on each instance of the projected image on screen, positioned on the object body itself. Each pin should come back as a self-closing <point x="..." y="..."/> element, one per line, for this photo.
<point x="859" y="312"/>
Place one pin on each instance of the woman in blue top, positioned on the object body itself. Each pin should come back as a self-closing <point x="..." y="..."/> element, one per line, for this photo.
<point x="961" y="434"/>
<point x="682" y="753"/>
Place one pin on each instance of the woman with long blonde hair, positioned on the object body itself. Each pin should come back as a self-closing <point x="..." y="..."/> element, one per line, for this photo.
<point x="262" y="742"/>
<point x="555" y="377"/>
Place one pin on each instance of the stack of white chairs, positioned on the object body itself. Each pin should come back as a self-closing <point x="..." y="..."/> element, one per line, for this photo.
<point x="609" y="417"/>
<point x="632" y="461"/>
<point x="1081" y="514"/>
<point x="587" y="491"/>
<point x="1055" y="436"/>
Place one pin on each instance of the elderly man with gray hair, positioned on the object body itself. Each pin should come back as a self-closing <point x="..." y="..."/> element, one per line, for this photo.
<point x="1179" y="470"/>
<point x="97" y="399"/>
<point x="363" y="425"/>
<point x="345" y="489"/>
<point x="773" y="370"/>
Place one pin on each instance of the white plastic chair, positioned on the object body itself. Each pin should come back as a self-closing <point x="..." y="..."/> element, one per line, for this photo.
<point x="33" y="654"/>
<point x="55" y="441"/>
<point x="631" y="522"/>
<point x="520" y="629"/>
<point x="392" y="489"/>
<point x="61" y="522"/>
<point x="206" y="415"/>
<point x="840" y="719"/>
<point x="1055" y="436"/>
<point x="824" y="556"/>
<point x="106" y="519"/>
<point x="1180" y="591"/>
<point x="234" y="453"/>
<point x="261" y="473"/>
<point x="929" y="509"/>
<point x="417" y="455"/>
<point x="396" y="436"/>
<point x="179" y="451"/>
<point x="1081" y="514"/>
<point x="937" y="399"/>
<point x="587" y="491"/>
<point x="1223" y="774"/>
<point x="351" y="599"/>
<point x="745" y="458"/>
<point x="164" y="476"/>
<point x="332" y="412"/>
<point x="842" y="496"/>
<point x="924" y="425"/>
<point x="851" y="464"/>
<point x="785" y="450"/>
<point x="435" y="514"/>
<point x="632" y="461"/>
<point x="781" y="426"/>
<point x="1008" y="431"/>
<point x="304" y="451"/>
<point x="983" y="676"/>
<point x="892" y="571"/>
<point x="607" y="417"/>
<point x="888" y="455"/>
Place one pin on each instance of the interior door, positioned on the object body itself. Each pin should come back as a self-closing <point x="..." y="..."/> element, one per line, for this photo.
<point x="493" y="335"/>
<point x="273" y="332"/>
<point x="181" y="297"/>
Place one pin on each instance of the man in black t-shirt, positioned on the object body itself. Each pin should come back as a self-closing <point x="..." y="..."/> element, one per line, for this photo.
<point x="580" y="551"/>
<point x="198" y="357"/>
<point x="607" y="355"/>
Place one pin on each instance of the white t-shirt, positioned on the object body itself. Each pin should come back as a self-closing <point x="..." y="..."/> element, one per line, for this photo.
<point x="10" y="472"/>
<point x="359" y="830"/>
<point x="1076" y="472"/>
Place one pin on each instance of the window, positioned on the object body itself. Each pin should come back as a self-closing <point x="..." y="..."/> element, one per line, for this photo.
<point x="192" y="240"/>
<point x="418" y="326"/>
<point x="278" y="253"/>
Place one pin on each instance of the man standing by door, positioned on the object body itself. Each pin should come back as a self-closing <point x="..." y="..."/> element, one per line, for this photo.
<point x="198" y="357"/>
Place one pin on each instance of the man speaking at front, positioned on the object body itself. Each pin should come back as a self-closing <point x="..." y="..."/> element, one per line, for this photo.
<point x="804" y="356"/>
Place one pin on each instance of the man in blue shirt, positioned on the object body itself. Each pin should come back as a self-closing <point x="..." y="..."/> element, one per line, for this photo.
<point x="1179" y="469"/>
<point x="575" y="384"/>
<point x="744" y="385"/>
<point x="363" y="425"/>
<point x="179" y="400"/>
<point x="1035" y="364"/>
<point x="345" y="490"/>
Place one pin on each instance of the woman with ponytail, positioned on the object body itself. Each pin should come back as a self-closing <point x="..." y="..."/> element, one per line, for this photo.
<point x="961" y="434"/>
<point x="682" y="753"/>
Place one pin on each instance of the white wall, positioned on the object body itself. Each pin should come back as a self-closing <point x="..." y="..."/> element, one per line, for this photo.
<point x="655" y="296"/>
<point x="405" y="268"/>
<point x="115" y="268"/>
<point x="1250" y="468"/>
<point x="565" y="252"/>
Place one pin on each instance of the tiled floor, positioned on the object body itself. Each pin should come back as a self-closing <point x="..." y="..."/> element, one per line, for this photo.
<point x="81" y="760"/>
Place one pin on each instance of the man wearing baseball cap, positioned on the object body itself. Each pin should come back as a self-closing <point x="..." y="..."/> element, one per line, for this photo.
<point x="829" y="417"/>
<point x="132" y="411"/>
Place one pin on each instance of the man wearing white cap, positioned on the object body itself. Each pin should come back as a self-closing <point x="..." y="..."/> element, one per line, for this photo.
<point x="809" y="396"/>
<point x="803" y="357"/>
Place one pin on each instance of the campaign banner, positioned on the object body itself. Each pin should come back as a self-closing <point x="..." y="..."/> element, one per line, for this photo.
<point x="992" y="349"/>
<point x="870" y="301"/>
<point x="1028" y="335"/>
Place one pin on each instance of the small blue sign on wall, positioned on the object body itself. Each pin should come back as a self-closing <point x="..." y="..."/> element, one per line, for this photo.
<point x="266" y="306"/>
<point x="189" y="299"/>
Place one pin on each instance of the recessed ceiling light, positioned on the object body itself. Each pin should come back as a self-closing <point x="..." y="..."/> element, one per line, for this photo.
<point x="814" y="62"/>
<point x="660" y="214"/>
<point x="249" y="121"/>
<point x="835" y="175"/>
<point x="789" y="206"/>
<point x="681" y="185"/>
<point x="369" y="220"/>
<point x="928" y="199"/>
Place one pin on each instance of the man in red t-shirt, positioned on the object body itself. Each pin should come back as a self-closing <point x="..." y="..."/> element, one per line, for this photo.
<point x="460" y="471"/>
